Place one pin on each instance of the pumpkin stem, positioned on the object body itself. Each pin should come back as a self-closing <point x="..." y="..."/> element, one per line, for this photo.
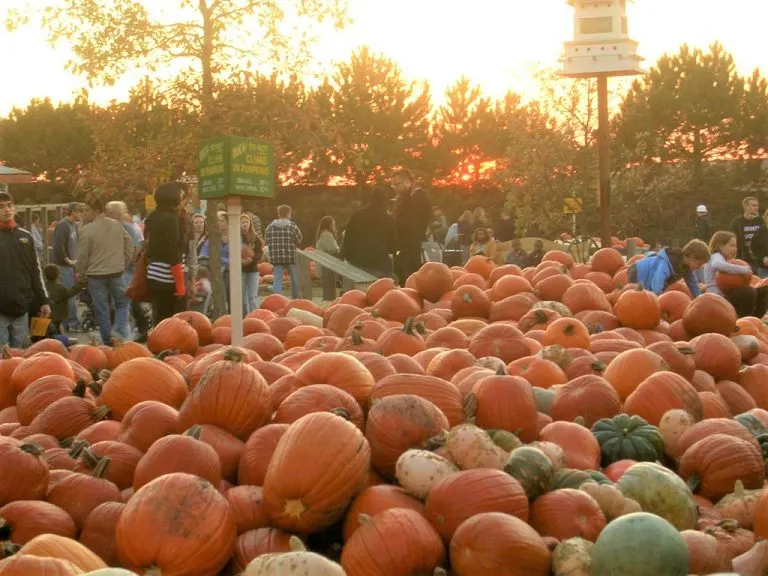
<point x="687" y="350"/>
<point x="165" y="354"/>
<point x="342" y="413"/>
<point x="738" y="489"/>
<point x="470" y="407"/>
<point x="194" y="432"/>
<point x="79" y="389"/>
<point x="33" y="449"/>
<point x="580" y="421"/>
<point x="77" y="448"/>
<point x="363" y="518"/>
<point x="100" y="413"/>
<point x="467" y="298"/>
<point x="67" y="442"/>
<point x="440" y="572"/>
<point x="101" y="468"/>
<point x="598" y="366"/>
<point x="96" y="387"/>
<point x="154" y="571"/>
<point x="104" y="375"/>
<point x="408" y="326"/>
<point x="436" y="441"/>
<point x="9" y="549"/>
<point x="729" y="525"/>
<point x="355" y="337"/>
<point x="91" y="460"/>
<point x="233" y="355"/>
<point x="501" y="370"/>
<point x="296" y="544"/>
<point x="6" y="353"/>
<point x="569" y="330"/>
<point x="5" y="530"/>
<point x="639" y="287"/>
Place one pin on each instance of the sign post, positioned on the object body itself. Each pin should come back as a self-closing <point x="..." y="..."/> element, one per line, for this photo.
<point x="232" y="167"/>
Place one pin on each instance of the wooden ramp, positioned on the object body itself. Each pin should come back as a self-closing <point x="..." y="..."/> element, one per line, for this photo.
<point x="334" y="270"/>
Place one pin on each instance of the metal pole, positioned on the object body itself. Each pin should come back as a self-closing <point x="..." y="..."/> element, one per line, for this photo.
<point x="603" y="136"/>
<point x="234" y="210"/>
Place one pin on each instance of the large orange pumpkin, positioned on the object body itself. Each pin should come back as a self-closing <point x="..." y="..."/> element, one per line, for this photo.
<point x="139" y="380"/>
<point x="660" y="392"/>
<point x="717" y="355"/>
<point x="99" y="531"/>
<point x="22" y="520"/>
<point x="442" y="394"/>
<point x="146" y="423"/>
<point x="567" y="513"/>
<point x="607" y="260"/>
<point x="753" y="379"/>
<point x="319" y="398"/>
<point x="638" y="309"/>
<point x="395" y="541"/>
<point x="501" y="341"/>
<point x="588" y="397"/>
<point x="376" y="499"/>
<point x="319" y="465"/>
<point x="340" y="370"/>
<point x="507" y="403"/>
<point x="462" y="495"/>
<point x="37" y="366"/>
<point x="493" y="543"/>
<point x="178" y="524"/>
<point x="257" y="453"/>
<point x="709" y="313"/>
<point x="678" y="356"/>
<point x="584" y="295"/>
<point x="582" y="450"/>
<point x="173" y="334"/>
<point x="433" y="280"/>
<point x="568" y="333"/>
<point x="627" y="371"/>
<point x="727" y="282"/>
<point x="232" y="395"/>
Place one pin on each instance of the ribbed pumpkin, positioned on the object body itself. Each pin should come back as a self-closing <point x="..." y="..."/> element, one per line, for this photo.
<point x="24" y="474"/>
<point x="121" y="352"/>
<point x="583" y="296"/>
<point x="628" y="438"/>
<point x="627" y="371"/>
<point x="42" y="393"/>
<point x="247" y="506"/>
<point x="433" y="280"/>
<point x="396" y="424"/>
<point x="123" y="460"/>
<point x="582" y="451"/>
<point x="227" y="447"/>
<point x="257" y="453"/>
<point x="442" y="394"/>
<point x="173" y="334"/>
<point x="26" y="565"/>
<point x="638" y="309"/>
<point x="200" y="324"/>
<point x="178" y="453"/>
<point x="139" y="380"/>
<point x="37" y="366"/>
<point x="203" y="534"/>
<point x="22" y="520"/>
<point x="709" y="313"/>
<point x="506" y="403"/>
<point x="146" y="423"/>
<point x="499" y="341"/>
<point x="706" y="554"/>
<point x="588" y="397"/>
<point x="462" y="495"/>
<point x="713" y="426"/>
<point x="55" y="546"/>
<point x="714" y="464"/>
<point x="717" y="355"/>
<point x="89" y="357"/>
<point x="568" y="333"/>
<point x="257" y="543"/>
<point x="752" y="379"/>
<point x="376" y="499"/>
<point x="78" y="494"/>
<point x="317" y="497"/>
<point x="661" y="492"/>
<point x="231" y="395"/>
<point x="318" y="398"/>
<point x="340" y="370"/>
<point x="532" y="469"/>
<point x="8" y="365"/>
<point x="661" y="392"/>
<point x="494" y="544"/>
<point x="567" y="513"/>
<point x="100" y="530"/>
<point x="395" y="541"/>
<point x="677" y="355"/>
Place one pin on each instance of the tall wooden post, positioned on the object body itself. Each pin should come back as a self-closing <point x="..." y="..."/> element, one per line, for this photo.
<point x="234" y="210"/>
<point x="604" y="135"/>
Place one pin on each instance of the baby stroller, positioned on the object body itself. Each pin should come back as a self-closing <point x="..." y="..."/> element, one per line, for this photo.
<point x="87" y="318"/>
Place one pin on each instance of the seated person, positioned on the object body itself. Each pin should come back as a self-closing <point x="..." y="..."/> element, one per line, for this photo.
<point x="517" y="255"/>
<point x="483" y="244"/>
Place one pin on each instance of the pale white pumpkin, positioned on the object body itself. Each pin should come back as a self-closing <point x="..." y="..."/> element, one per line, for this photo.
<point x="418" y="470"/>
<point x="299" y="562"/>
<point x="470" y="447"/>
<point x="572" y="557"/>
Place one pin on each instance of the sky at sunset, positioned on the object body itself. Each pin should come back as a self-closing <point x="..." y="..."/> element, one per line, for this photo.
<point x="493" y="42"/>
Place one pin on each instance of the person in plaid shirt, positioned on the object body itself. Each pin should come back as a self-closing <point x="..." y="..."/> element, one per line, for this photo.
<point x="283" y="237"/>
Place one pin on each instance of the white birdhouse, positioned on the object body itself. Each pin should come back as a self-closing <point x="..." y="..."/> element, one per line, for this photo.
<point x="601" y="44"/>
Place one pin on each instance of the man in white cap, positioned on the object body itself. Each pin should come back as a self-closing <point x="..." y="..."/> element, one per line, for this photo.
<point x="703" y="230"/>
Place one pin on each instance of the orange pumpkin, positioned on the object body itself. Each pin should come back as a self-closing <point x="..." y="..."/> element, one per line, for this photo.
<point x="22" y="520"/>
<point x="673" y="304"/>
<point x="26" y="564"/>
<point x="582" y="450"/>
<point x="588" y="397"/>
<point x="319" y="398"/>
<point x="753" y="379"/>
<point x="257" y="454"/>
<point x="317" y="497"/>
<point x="568" y="333"/>
<point x="79" y="494"/>
<point x="433" y="280"/>
<point x="204" y="534"/>
<point x="37" y="366"/>
<point x="340" y="370"/>
<point x="638" y="309"/>
<point x="376" y="499"/>
<point x="538" y="371"/>
<point x="585" y="295"/>
<point x="500" y="341"/>
<point x="147" y="422"/>
<point x="406" y="340"/>
<point x="661" y="392"/>
<point x="709" y="313"/>
<point x="567" y="513"/>
<point x="717" y="355"/>
<point x="628" y="370"/>
<point x="706" y="428"/>
<point x="506" y="403"/>
<point x="100" y="529"/>
<point x="173" y="334"/>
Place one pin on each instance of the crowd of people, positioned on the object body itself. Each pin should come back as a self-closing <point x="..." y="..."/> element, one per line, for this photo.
<point x="104" y="256"/>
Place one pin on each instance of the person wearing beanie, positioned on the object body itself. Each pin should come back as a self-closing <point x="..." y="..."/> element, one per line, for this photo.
<point x="164" y="240"/>
<point x="21" y="280"/>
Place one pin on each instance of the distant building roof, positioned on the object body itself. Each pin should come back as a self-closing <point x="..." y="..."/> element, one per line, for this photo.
<point x="10" y="175"/>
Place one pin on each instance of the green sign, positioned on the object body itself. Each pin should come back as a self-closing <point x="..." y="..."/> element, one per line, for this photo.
<point x="235" y="166"/>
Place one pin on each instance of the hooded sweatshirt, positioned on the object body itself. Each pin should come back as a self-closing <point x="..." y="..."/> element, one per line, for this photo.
<point x="655" y="272"/>
<point x="283" y="237"/>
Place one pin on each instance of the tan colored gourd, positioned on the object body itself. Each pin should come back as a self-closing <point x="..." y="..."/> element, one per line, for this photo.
<point x="298" y="562"/>
<point x="573" y="557"/>
<point x="612" y="502"/>
<point x="739" y="505"/>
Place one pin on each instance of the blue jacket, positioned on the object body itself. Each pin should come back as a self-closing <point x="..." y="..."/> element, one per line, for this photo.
<point x="655" y="271"/>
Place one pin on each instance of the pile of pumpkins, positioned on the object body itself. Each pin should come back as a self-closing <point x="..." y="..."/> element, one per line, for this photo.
<point x="478" y="421"/>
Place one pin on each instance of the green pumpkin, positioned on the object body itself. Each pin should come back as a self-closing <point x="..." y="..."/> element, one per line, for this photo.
<point x="762" y="439"/>
<point x="661" y="492"/>
<point x="599" y="477"/>
<point x="640" y="544"/>
<point x="570" y="478"/>
<point x="533" y="469"/>
<point x="505" y="440"/>
<point x="751" y="423"/>
<point x="544" y="398"/>
<point x="626" y="437"/>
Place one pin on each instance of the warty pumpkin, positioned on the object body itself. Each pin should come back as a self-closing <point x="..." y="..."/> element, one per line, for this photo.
<point x="567" y="513"/>
<point x="506" y="403"/>
<point x="419" y="470"/>
<point x="714" y="464"/>
<point x="317" y="497"/>
<point x="397" y="423"/>
<point x="139" y="380"/>
<point x="462" y="495"/>
<point x="275" y="564"/>
<point x="612" y="502"/>
<point x="470" y="447"/>
<point x="740" y="505"/>
<point x="257" y="453"/>
<point x="22" y="520"/>
<point x="186" y="520"/>
<point x="496" y="544"/>
<point x="395" y="541"/>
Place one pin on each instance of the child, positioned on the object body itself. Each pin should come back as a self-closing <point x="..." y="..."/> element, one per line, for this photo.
<point x="657" y="271"/>
<point x="746" y="300"/>
<point x="201" y="291"/>
<point x="59" y="296"/>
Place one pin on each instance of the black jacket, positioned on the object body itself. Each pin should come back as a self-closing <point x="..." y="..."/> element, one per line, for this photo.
<point x="61" y="235"/>
<point x="21" y="279"/>
<point x="752" y="239"/>
<point x="369" y="239"/>
<point x="412" y="214"/>
<point x="704" y="228"/>
<point x="164" y="236"/>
